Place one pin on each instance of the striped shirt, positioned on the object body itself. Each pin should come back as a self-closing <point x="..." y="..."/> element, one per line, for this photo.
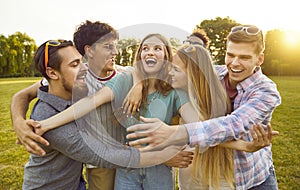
<point x="255" y="102"/>
<point x="102" y="121"/>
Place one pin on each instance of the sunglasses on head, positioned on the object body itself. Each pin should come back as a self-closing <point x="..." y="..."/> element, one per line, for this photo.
<point x="50" y="43"/>
<point x="250" y="30"/>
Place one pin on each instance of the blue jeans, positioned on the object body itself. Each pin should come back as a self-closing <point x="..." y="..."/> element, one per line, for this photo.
<point x="152" y="178"/>
<point x="82" y="184"/>
<point x="269" y="184"/>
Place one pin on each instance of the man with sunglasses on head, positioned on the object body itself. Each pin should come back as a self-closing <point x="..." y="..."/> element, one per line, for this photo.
<point x="61" y="168"/>
<point x="96" y="41"/>
<point x="254" y="97"/>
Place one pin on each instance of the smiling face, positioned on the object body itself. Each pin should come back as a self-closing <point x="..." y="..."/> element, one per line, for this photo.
<point x="101" y="57"/>
<point x="178" y="74"/>
<point x="152" y="56"/>
<point x="71" y="74"/>
<point x="241" y="61"/>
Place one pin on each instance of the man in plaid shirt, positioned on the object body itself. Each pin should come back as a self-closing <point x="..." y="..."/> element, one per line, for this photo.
<point x="253" y="96"/>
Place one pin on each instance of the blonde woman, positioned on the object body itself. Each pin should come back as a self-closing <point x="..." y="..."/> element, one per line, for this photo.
<point x="193" y="71"/>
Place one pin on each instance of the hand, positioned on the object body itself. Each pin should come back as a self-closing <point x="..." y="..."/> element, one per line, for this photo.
<point x="28" y="138"/>
<point x="151" y="158"/>
<point x="37" y="127"/>
<point x="156" y="134"/>
<point x="133" y="100"/>
<point x="261" y="138"/>
<point x="182" y="160"/>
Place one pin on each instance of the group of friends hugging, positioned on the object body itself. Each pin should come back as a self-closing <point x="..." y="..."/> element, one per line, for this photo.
<point x="175" y="117"/>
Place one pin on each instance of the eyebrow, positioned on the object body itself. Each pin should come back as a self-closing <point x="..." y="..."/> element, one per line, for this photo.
<point x="75" y="60"/>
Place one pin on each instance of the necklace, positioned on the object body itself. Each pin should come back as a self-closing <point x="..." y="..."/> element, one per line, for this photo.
<point x="154" y="96"/>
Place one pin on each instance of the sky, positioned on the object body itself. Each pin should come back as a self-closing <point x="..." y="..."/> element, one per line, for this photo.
<point x="57" y="19"/>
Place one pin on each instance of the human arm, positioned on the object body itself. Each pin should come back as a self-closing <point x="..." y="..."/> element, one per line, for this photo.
<point x="181" y="160"/>
<point x="19" y="106"/>
<point x="260" y="139"/>
<point x="77" y="110"/>
<point x="254" y="104"/>
<point x="157" y="133"/>
<point x="103" y="152"/>
<point x="151" y="158"/>
<point x="133" y="99"/>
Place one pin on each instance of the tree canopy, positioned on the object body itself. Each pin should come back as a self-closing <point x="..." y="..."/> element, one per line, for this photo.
<point x="16" y="55"/>
<point x="282" y="53"/>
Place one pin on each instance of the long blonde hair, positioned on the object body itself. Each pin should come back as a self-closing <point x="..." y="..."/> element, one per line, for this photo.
<point x="210" y="100"/>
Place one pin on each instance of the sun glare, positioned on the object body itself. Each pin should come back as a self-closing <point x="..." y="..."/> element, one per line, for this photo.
<point x="292" y="38"/>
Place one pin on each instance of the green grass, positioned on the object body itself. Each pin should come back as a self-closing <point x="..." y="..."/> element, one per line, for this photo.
<point x="286" y="148"/>
<point x="12" y="157"/>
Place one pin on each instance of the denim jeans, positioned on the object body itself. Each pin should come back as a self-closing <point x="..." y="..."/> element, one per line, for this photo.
<point x="152" y="178"/>
<point x="82" y="184"/>
<point x="269" y="184"/>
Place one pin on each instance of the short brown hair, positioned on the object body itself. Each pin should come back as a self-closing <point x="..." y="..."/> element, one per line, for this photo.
<point x="241" y="36"/>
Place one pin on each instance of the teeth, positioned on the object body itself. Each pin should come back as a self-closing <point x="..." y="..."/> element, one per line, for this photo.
<point x="150" y="61"/>
<point x="81" y="76"/>
<point x="235" y="70"/>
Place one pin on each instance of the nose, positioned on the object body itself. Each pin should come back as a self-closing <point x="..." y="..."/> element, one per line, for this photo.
<point x="235" y="61"/>
<point x="83" y="66"/>
<point x="115" y="50"/>
<point x="150" y="51"/>
<point x="171" y="73"/>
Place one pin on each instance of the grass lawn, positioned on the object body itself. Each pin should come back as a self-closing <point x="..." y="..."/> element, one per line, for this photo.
<point x="286" y="148"/>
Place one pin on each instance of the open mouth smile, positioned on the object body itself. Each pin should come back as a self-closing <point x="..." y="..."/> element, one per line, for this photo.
<point x="151" y="61"/>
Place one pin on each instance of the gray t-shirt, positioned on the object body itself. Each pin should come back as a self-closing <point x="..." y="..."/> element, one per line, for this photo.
<point x="69" y="147"/>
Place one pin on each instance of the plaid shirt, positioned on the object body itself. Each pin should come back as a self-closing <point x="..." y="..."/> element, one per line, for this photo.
<point x="256" y="100"/>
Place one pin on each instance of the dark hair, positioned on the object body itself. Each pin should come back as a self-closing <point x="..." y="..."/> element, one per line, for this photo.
<point x="87" y="33"/>
<point x="54" y="59"/>
<point x="200" y="33"/>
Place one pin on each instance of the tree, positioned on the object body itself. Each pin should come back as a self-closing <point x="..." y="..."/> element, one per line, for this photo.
<point x="127" y="49"/>
<point x="281" y="57"/>
<point x="4" y="61"/>
<point x="16" y="55"/>
<point x="273" y="52"/>
<point x="217" y="30"/>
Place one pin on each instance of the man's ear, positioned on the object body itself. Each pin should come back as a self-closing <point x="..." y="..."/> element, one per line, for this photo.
<point x="89" y="51"/>
<point x="261" y="58"/>
<point x="52" y="73"/>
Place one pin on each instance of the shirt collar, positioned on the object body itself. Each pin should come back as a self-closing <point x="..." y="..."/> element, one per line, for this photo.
<point x="56" y="102"/>
<point x="102" y="79"/>
<point x="250" y="80"/>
